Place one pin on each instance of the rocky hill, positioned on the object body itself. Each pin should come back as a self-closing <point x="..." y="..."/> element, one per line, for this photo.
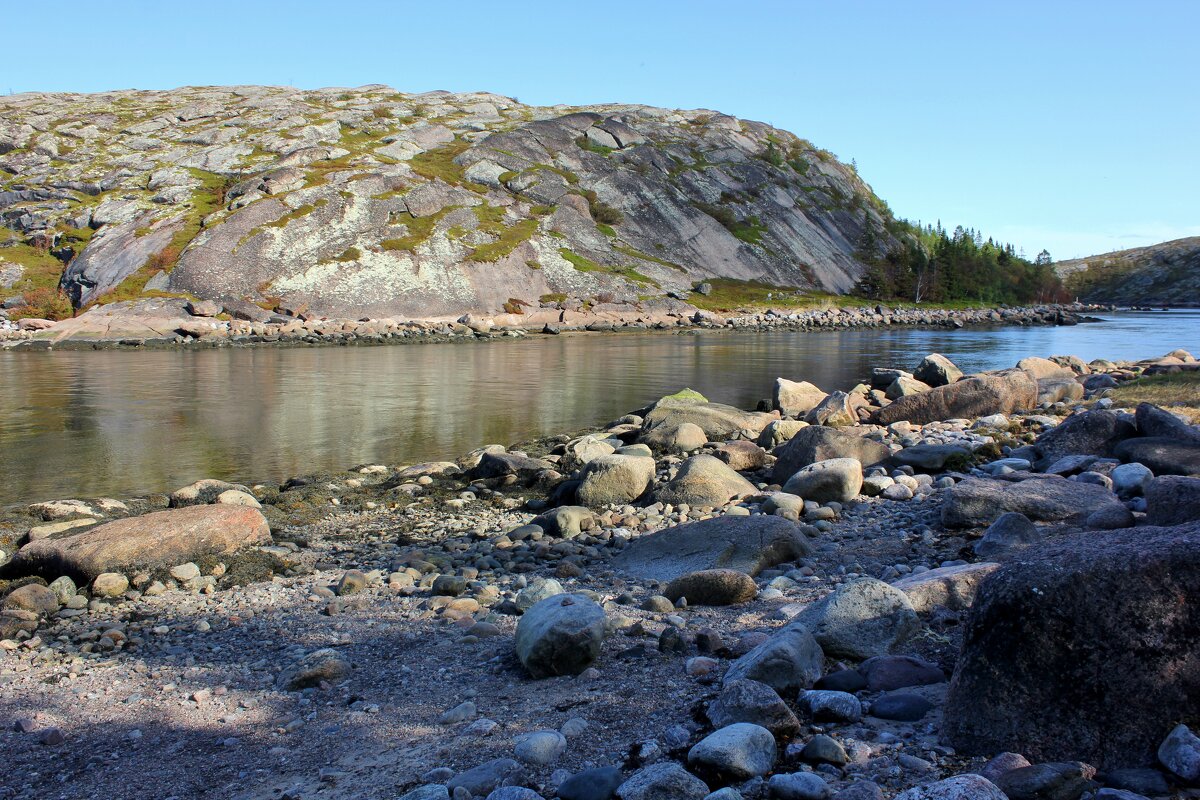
<point x="1166" y="274"/>
<point x="373" y="202"/>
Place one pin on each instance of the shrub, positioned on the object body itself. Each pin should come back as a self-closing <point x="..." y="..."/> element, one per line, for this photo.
<point x="43" y="304"/>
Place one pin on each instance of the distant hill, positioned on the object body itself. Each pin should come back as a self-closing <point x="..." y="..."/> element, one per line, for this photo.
<point x="373" y="202"/>
<point x="1166" y="274"/>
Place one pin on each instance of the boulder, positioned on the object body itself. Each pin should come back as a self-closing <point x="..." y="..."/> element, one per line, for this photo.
<point x="950" y="587"/>
<point x="33" y="597"/>
<point x="860" y="619"/>
<point x="1011" y="531"/>
<point x="499" y="465"/>
<point x="682" y="438"/>
<point x="202" y="492"/>
<point x="1059" y="390"/>
<point x="836" y="411"/>
<point x="481" y="780"/>
<point x="1180" y="753"/>
<point x="838" y="479"/>
<point x="1163" y="456"/>
<point x="666" y="780"/>
<point x="1173" y="500"/>
<point x="614" y="479"/>
<point x="742" y="455"/>
<point x="937" y="370"/>
<point x="1064" y="635"/>
<point x="746" y="544"/>
<point x="931" y="457"/>
<point x="976" y="502"/>
<point x="566" y="521"/>
<point x="960" y="787"/>
<point x="163" y="538"/>
<point x="1052" y="781"/>
<point x="780" y="431"/>
<point x="978" y="396"/>
<point x="1089" y="433"/>
<point x="598" y="783"/>
<point x="712" y="587"/>
<point x="1043" y="368"/>
<point x="736" y="752"/>
<point x="1130" y="480"/>
<point x="704" y="480"/>
<point x="1159" y="423"/>
<point x="320" y="666"/>
<point x="819" y="443"/>
<point x="719" y="422"/>
<point x="798" y="786"/>
<point x="886" y="673"/>
<point x="795" y="399"/>
<point x="560" y="635"/>
<point x="747" y="700"/>
<point x="903" y="387"/>
<point x="788" y="661"/>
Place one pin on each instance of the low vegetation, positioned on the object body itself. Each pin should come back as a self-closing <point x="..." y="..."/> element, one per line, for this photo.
<point x="1178" y="392"/>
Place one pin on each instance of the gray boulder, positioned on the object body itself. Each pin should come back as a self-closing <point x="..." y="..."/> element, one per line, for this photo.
<point x="976" y="502"/>
<point x="1180" y="753"/>
<point x="747" y="700"/>
<point x="1159" y="423"/>
<point x="937" y="370"/>
<point x="798" y="786"/>
<point x="747" y="544"/>
<point x="1163" y="456"/>
<point x="788" y="661"/>
<point x="930" y="457"/>
<point x="1092" y="433"/>
<point x="704" y="480"/>
<point x="682" y="438"/>
<point x="1011" y="531"/>
<point x="780" y="431"/>
<point x="719" y="422"/>
<point x="560" y="635"/>
<point x="665" y="780"/>
<point x="951" y="587"/>
<point x="836" y="410"/>
<point x="499" y="465"/>
<point x="960" y="787"/>
<point x="820" y="443"/>
<point x="1173" y="500"/>
<point x="838" y="479"/>
<point x="795" y="399"/>
<point x="860" y="619"/>
<point x="737" y="752"/>
<point x="979" y="396"/>
<point x="614" y="480"/>
<point x="712" y="587"/>
<point x="483" y="779"/>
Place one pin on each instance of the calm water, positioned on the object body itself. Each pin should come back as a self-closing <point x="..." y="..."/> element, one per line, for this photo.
<point x="96" y="423"/>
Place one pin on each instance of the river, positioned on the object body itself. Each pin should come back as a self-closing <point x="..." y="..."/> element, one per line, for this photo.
<point x="121" y="423"/>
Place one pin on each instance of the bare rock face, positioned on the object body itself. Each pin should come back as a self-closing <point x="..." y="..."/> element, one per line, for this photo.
<point x="978" y="396"/>
<point x="371" y="202"/>
<point x="978" y="502"/>
<point x="161" y="538"/>
<point x="1064" y="635"/>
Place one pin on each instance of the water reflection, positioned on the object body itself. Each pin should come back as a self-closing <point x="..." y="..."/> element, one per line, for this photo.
<point x="121" y="423"/>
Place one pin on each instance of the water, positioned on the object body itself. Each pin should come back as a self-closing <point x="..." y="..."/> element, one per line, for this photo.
<point x="109" y="423"/>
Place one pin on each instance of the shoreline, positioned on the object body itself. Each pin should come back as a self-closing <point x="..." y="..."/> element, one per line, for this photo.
<point x="204" y="331"/>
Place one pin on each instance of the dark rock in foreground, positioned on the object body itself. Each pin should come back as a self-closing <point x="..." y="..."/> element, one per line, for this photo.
<point x="977" y="502"/>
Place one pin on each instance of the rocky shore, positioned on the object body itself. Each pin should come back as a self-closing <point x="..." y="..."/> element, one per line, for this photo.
<point x="932" y="586"/>
<point x="175" y="322"/>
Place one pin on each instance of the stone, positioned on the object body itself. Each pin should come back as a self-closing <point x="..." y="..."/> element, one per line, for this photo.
<point x="887" y="673"/>
<point x="234" y="497"/>
<point x="540" y="748"/>
<point x="1089" y="433"/>
<point x="822" y="749"/>
<point x="860" y="790"/>
<point x="818" y="443"/>
<point x="931" y="457"/>
<point x="976" y="502"/>
<point x="614" y="480"/>
<point x="1119" y="607"/>
<point x="798" y="786"/>
<point x="1011" y="531"/>
<point x="1110" y="518"/>
<point x="824" y="705"/>
<point x="842" y="680"/>
<point x="795" y="399"/>
<point x="789" y="660"/>
<point x="1043" y="368"/>
<point x="444" y="585"/>
<point x="1162" y="456"/>
<point x="162" y="538"/>
<point x="481" y="780"/>
<point x="598" y="783"/>
<point x="513" y="793"/>
<point x="836" y="411"/>
<point x="901" y="707"/>
<point x="34" y="597"/>
<point x="1173" y="500"/>
<point x="63" y="588"/>
<point x="1130" y="480"/>
<point x="537" y="590"/>
<point x="1144" y="781"/>
<point x="501" y="465"/>
<point x="960" y="787"/>
<point x="719" y="422"/>
<point x="747" y="700"/>
<point x="185" y="572"/>
<point x="702" y="481"/>
<point x="566" y="521"/>
<point x="903" y="386"/>
<point x="993" y="393"/>
<point x="742" y="455"/>
<point x="835" y="480"/>
<point x="860" y="619"/>
<point x="430" y="791"/>
<point x="937" y="370"/>
<point x="735" y="752"/>
<point x="1180" y="753"/>
<point x="780" y="431"/>
<point x="1053" y="781"/>
<point x="1159" y="423"/>
<point x="110" y="584"/>
<point x="1059" y="390"/>
<point x="665" y="780"/>
<point x="713" y="587"/>
<point x="203" y="492"/>
<point x="1002" y="763"/>
<point x="683" y="438"/>
<point x="560" y="635"/>
<point x="320" y="666"/>
<point x="950" y="587"/>
<point x="745" y="544"/>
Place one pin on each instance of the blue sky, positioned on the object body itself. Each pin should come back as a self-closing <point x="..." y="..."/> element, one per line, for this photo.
<point x="1067" y="125"/>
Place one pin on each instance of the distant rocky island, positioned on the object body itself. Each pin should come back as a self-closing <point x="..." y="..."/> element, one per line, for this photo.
<point x="1166" y="274"/>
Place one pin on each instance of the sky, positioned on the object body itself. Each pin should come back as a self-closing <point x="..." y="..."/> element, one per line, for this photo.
<point x="1070" y="126"/>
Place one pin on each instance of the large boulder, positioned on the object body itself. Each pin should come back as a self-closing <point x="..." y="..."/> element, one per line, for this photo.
<point x="737" y="752"/>
<point x="1160" y="423"/>
<point x="683" y="438"/>
<point x="780" y="431"/>
<point x="499" y="465"/>
<point x="820" y="443"/>
<point x="979" y="396"/>
<point x="560" y="635"/>
<point x="860" y="619"/>
<point x="712" y="587"/>
<point x="838" y="479"/>
<point x="1066" y="635"/>
<point x="1090" y="433"/>
<point x="704" y="480"/>
<point x="666" y="780"/>
<point x="795" y="399"/>
<point x="202" y="492"/>
<point x="746" y="700"/>
<point x="931" y="457"/>
<point x="1042" y="368"/>
<point x="719" y="422"/>
<point x="1162" y="455"/>
<point x="788" y="661"/>
<point x="978" y="502"/>
<point x="163" y="538"/>
<point x="1173" y="500"/>
<point x="937" y="370"/>
<point x="951" y="587"/>
<point x="742" y="455"/>
<point x="960" y="787"/>
<point x="614" y="479"/>
<point x="747" y="544"/>
<point x="837" y="410"/>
